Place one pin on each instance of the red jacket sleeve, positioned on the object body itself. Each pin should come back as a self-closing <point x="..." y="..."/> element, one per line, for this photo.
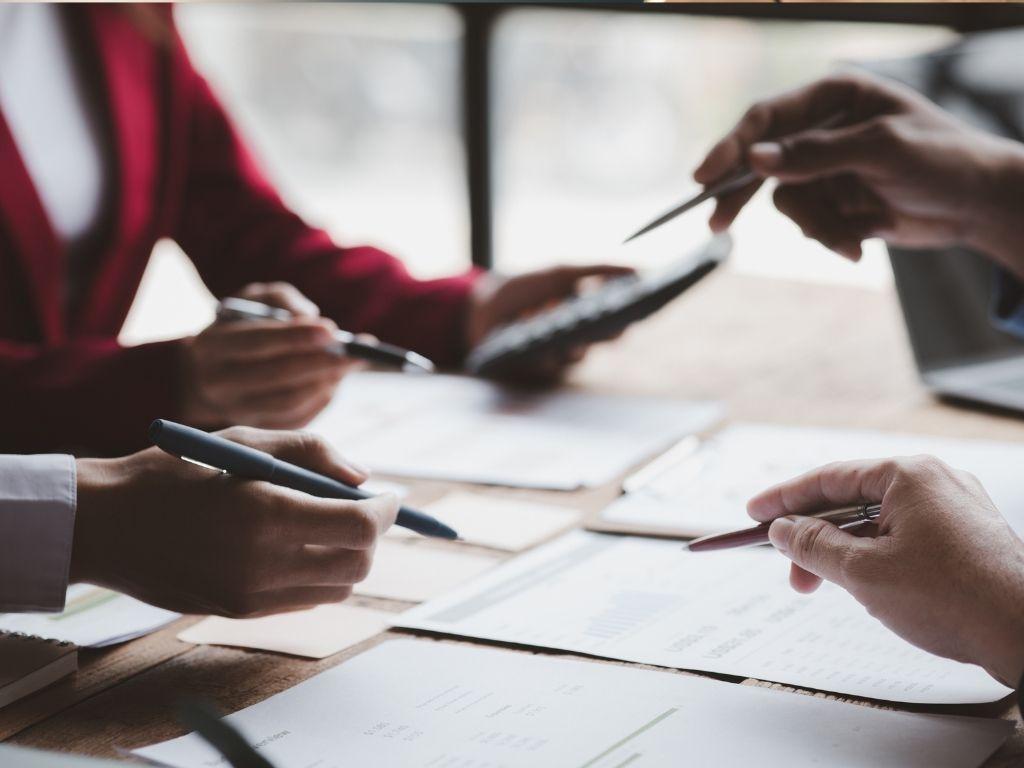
<point x="89" y="397"/>
<point x="236" y="230"/>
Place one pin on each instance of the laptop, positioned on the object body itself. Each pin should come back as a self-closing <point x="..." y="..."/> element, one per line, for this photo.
<point x="946" y="301"/>
<point x="946" y="295"/>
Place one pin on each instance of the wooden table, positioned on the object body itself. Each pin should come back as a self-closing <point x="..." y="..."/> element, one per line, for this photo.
<point x="771" y="350"/>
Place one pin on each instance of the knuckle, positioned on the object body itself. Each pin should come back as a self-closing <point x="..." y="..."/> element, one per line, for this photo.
<point x="312" y="444"/>
<point x="928" y="466"/>
<point x="805" y="539"/>
<point x="239" y="606"/>
<point x="363" y="527"/>
<point x="361" y="564"/>
<point x="887" y="128"/>
<point x="757" y="114"/>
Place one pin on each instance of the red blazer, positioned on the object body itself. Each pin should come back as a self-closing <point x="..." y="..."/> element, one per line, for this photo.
<point x="180" y="170"/>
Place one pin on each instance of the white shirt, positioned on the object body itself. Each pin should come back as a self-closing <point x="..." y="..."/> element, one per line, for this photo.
<point x="37" y="523"/>
<point x="45" y="107"/>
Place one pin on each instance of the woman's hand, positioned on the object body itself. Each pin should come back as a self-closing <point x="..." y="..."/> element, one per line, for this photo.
<point x="497" y="300"/>
<point x="898" y="167"/>
<point x="942" y="568"/>
<point x="194" y="540"/>
<point x="264" y="373"/>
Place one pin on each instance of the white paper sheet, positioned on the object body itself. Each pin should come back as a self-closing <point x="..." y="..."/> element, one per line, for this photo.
<point x="416" y="704"/>
<point x="506" y="523"/>
<point x="316" y="633"/>
<point x="707" y="491"/>
<point x="458" y="428"/>
<point x="730" y="612"/>
<point x="417" y="572"/>
<point x="92" y="618"/>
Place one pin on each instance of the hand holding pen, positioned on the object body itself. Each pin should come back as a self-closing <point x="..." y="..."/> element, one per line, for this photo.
<point x="940" y="567"/>
<point x="269" y="373"/>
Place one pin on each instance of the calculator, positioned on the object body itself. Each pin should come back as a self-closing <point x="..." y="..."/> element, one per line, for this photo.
<point x="593" y="316"/>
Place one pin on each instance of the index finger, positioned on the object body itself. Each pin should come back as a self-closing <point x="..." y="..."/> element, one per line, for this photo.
<point x="795" y="110"/>
<point x="837" y="484"/>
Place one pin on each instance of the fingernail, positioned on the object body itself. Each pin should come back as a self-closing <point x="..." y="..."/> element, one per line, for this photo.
<point x="780" y="532"/>
<point x="767" y="155"/>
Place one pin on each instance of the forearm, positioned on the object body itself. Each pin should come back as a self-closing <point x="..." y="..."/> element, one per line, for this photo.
<point x="996" y="229"/>
<point x="92" y="397"/>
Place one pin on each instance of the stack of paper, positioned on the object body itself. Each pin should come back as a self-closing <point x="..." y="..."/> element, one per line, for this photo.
<point x="457" y="428"/>
<point x="408" y="704"/>
<point x="706" y="490"/>
<point x="729" y="612"/>
<point x="92" y="618"/>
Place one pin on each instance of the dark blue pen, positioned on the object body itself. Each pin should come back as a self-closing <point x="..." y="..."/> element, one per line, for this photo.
<point x="243" y="461"/>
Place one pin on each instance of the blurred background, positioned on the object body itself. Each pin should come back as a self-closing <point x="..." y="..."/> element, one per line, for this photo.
<point x="595" y="120"/>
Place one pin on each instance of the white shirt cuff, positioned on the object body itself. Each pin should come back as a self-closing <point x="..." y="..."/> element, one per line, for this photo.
<point x="37" y="524"/>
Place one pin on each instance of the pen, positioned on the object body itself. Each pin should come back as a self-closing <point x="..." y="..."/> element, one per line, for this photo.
<point x="347" y="343"/>
<point x="729" y="183"/>
<point x="236" y="459"/>
<point x="748" y="537"/>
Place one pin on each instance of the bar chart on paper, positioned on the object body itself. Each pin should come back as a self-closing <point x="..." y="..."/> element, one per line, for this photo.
<point x="652" y="602"/>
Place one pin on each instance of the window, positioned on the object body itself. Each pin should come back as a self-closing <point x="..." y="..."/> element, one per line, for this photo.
<point x="354" y="111"/>
<point x="602" y="116"/>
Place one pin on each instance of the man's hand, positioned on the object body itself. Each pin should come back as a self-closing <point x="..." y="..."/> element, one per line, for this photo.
<point x="899" y="168"/>
<point x="943" y="569"/>
<point x="194" y="540"/>
<point x="263" y="373"/>
<point x="497" y="300"/>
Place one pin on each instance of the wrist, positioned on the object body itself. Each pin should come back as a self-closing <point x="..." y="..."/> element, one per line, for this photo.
<point x="195" y="409"/>
<point x="1003" y="653"/>
<point x="98" y="483"/>
<point x="997" y="228"/>
<point x="479" y="320"/>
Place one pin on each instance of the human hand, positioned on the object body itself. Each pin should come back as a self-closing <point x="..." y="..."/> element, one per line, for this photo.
<point x="194" y="540"/>
<point x="899" y="168"/>
<point x="497" y="300"/>
<point x="943" y="569"/>
<point x="271" y="374"/>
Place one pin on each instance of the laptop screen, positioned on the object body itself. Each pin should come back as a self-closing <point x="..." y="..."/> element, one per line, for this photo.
<point x="946" y="298"/>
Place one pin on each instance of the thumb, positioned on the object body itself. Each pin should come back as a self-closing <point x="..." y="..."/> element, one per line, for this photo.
<point x="817" y="546"/>
<point x="814" y="154"/>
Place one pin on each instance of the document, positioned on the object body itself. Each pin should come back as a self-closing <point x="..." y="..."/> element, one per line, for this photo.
<point x="93" y="617"/>
<point x="706" y="490"/>
<point x="459" y="428"/>
<point x="316" y="633"/>
<point x="417" y="704"/>
<point x="507" y="523"/>
<point x="730" y="612"/>
<point x="417" y="571"/>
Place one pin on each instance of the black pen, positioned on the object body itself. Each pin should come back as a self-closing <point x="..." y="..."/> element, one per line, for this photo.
<point x="242" y="461"/>
<point x="347" y="343"/>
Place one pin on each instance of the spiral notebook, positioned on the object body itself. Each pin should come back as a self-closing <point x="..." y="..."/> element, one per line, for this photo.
<point x="29" y="663"/>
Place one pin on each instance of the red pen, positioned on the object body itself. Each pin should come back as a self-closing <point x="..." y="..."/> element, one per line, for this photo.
<point x="843" y="517"/>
